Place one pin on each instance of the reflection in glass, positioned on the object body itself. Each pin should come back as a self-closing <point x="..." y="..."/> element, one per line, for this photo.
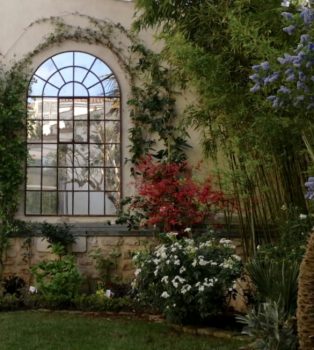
<point x="65" y="131"/>
<point x="96" y="108"/>
<point x="112" y="202"/>
<point x="97" y="203"/>
<point x="111" y="87"/>
<point x="34" y="155"/>
<point x="96" y="90"/>
<point x="96" y="179"/>
<point x="49" y="155"/>
<point x="80" y="131"/>
<point x="97" y="132"/>
<point x="65" y="179"/>
<point x="34" y="106"/>
<point x="80" y="109"/>
<point x="96" y="155"/>
<point x="34" y="131"/>
<point x="49" y="203"/>
<point x="112" y="155"/>
<point x="80" y="203"/>
<point x="65" y="108"/>
<point x="49" y="179"/>
<point x="112" y="179"/>
<point x="50" y="131"/>
<point x="80" y="179"/>
<point x="112" y="132"/>
<point x="33" y="203"/>
<point x="80" y="155"/>
<point x="33" y="178"/>
<point x="46" y="69"/>
<point x="65" y="155"/>
<point x="112" y="107"/>
<point x="90" y="80"/>
<point x="50" y="108"/>
<point x="65" y="203"/>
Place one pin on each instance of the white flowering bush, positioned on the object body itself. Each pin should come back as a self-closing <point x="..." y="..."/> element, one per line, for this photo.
<point x="187" y="280"/>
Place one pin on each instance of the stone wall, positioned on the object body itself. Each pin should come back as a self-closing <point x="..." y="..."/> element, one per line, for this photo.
<point x="26" y="252"/>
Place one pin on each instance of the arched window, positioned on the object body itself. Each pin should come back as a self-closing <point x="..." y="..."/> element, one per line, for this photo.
<point x="74" y="124"/>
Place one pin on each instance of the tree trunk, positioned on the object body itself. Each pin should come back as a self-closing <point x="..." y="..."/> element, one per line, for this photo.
<point x="305" y="311"/>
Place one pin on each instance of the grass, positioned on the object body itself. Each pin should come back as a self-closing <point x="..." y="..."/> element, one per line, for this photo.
<point x="33" y="330"/>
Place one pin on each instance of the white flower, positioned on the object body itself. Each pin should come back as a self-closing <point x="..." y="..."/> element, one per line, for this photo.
<point x="213" y="263"/>
<point x="32" y="289"/>
<point x="172" y="234"/>
<point x="156" y="261"/>
<point x="201" y="289"/>
<point x="194" y="263"/>
<point x="236" y="257"/>
<point x="177" y="262"/>
<point x="156" y="272"/>
<point x="182" y="269"/>
<point x="203" y="262"/>
<point x="302" y="216"/>
<point x="185" y="288"/>
<point x="165" y="279"/>
<point x="137" y="272"/>
<point x="165" y="295"/>
<point x="188" y="230"/>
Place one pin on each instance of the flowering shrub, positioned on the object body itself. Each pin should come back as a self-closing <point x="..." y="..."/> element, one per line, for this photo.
<point x="169" y="197"/>
<point x="187" y="280"/>
<point x="291" y="81"/>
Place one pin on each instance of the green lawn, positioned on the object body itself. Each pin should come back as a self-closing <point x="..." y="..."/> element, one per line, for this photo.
<point x="62" y="331"/>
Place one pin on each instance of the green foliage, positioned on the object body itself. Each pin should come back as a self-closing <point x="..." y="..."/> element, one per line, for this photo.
<point x="188" y="281"/>
<point x="270" y="328"/>
<point x="58" y="278"/>
<point x="59" y="237"/>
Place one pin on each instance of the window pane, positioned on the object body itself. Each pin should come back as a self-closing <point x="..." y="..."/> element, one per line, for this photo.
<point x="80" y="109"/>
<point x="112" y="132"/>
<point x="63" y="59"/>
<point x="65" y="179"/>
<point x="80" y="90"/>
<point x="97" y="155"/>
<point x="50" y="108"/>
<point x="65" y="131"/>
<point x="112" y="179"/>
<point x="67" y="90"/>
<point x="80" y="203"/>
<point x="101" y="69"/>
<point x="49" y="155"/>
<point x="65" y="154"/>
<point x="97" y="203"/>
<point x="80" y="155"/>
<point x="112" y="107"/>
<point x="56" y="80"/>
<point x="34" y="155"/>
<point x="33" y="202"/>
<point x="33" y="178"/>
<point x="80" y="179"/>
<point x="50" y="90"/>
<point x="90" y="80"/>
<point x="36" y="86"/>
<point x="112" y="155"/>
<point x="112" y="202"/>
<point x="67" y="74"/>
<point x="96" y="108"/>
<point x="111" y="87"/>
<point x="34" y="131"/>
<point x="96" y="179"/>
<point x="65" y="108"/>
<point x="97" y="132"/>
<point x="49" y="179"/>
<point x="96" y="90"/>
<point x="34" y="106"/>
<point x="79" y="74"/>
<point x="50" y="131"/>
<point x="80" y="131"/>
<point x="83" y="59"/>
<point x="46" y="69"/>
<point x="49" y="203"/>
<point x="65" y="203"/>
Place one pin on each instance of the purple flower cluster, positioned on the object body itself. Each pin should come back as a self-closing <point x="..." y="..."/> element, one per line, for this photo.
<point x="292" y="82"/>
<point x="310" y="188"/>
